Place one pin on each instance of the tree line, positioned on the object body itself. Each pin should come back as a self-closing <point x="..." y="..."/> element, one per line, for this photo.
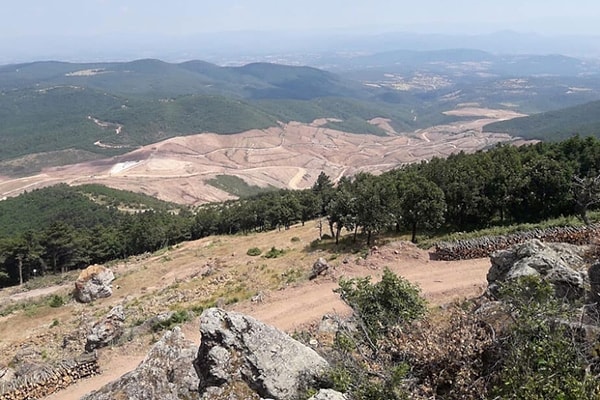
<point x="57" y="229"/>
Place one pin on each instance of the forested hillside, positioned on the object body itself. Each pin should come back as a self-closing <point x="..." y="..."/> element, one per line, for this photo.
<point x="61" y="228"/>
<point x="583" y="120"/>
<point x="111" y="108"/>
<point x="102" y="109"/>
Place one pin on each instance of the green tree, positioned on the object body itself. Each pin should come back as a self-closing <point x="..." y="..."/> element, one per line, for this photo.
<point x="506" y="180"/>
<point x="63" y="247"/>
<point x="324" y="190"/>
<point x="546" y="190"/>
<point x="374" y="202"/>
<point x="382" y="305"/>
<point x="421" y="205"/>
<point x="586" y="193"/>
<point x="541" y="357"/>
<point x="341" y="209"/>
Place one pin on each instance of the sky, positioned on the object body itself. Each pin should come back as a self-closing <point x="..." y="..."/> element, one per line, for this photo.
<point x="33" y="18"/>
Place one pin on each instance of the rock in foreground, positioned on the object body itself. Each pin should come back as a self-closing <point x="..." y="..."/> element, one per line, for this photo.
<point x="241" y="356"/>
<point x="93" y="283"/>
<point x="166" y="373"/>
<point x="559" y="263"/>
<point x="106" y="331"/>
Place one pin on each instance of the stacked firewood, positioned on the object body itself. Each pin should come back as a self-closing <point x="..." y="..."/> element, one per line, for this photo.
<point x="49" y="379"/>
<point x="484" y="246"/>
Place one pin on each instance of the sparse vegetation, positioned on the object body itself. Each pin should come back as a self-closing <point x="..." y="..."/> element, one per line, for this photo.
<point x="274" y="253"/>
<point x="524" y="348"/>
<point x="254" y="251"/>
<point x="56" y="301"/>
<point x="177" y="318"/>
<point x="237" y="186"/>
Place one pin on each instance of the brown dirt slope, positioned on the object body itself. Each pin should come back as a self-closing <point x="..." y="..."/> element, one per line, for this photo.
<point x="287" y="156"/>
<point x="216" y="270"/>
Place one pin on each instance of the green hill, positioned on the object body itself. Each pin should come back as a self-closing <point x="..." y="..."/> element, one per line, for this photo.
<point x="101" y="109"/>
<point x="583" y="120"/>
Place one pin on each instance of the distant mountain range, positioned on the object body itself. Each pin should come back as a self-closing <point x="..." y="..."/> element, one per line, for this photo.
<point x="300" y="47"/>
<point x="102" y="109"/>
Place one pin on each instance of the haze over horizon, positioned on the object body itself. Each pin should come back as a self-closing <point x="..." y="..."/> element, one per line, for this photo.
<point x="125" y="29"/>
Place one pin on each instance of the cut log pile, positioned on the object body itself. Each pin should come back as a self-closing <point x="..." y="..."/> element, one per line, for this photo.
<point x="47" y="380"/>
<point x="482" y="247"/>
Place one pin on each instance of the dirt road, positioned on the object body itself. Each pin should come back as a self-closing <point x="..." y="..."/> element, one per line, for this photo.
<point x="296" y="307"/>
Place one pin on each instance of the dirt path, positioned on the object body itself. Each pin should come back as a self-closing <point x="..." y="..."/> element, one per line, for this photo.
<point x="441" y="282"/>
<point x="296" y="307"/>
<point x="31" y="294"/>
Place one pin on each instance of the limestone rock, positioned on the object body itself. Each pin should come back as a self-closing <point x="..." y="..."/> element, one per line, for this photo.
<point x="106" y="331"/>
<point x="558" y="263"/>
<point x="93" y="283"/>
<point x="319" y="267"/>
<point x="239" y="354"/>
<point x="166" y="373"/>
<point x="328" y="394"/>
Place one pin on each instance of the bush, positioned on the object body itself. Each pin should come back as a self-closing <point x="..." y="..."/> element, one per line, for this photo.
<point x="542" y="358"/>
<point x="274" y="253"/>
<point x="254" y="251"/>
<point x="362" y="366"/>
<point x="56" y="301"/>
<point x="384" y="304"/>
<point x="176" y="318"/>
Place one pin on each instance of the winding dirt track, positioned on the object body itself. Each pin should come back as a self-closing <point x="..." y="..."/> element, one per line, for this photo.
<point x="297" y="307"/>
<point x="287" y="156"/>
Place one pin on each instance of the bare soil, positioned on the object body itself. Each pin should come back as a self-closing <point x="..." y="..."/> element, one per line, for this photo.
<point x="217" y="269"/>
<point x="288" y="156"/>
<point x="151" y="284"/>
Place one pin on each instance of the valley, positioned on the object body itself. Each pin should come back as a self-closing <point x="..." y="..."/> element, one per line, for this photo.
<point x="290" y="156"/>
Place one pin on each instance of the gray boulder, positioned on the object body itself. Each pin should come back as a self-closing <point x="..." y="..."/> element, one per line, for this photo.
<point x="106" y="331"/>
<point x="239" y="354"/>
<point x="328" y="394"/>
<point x="166" y="373"/>
<point x="318" y="268"/>
<point x="558" y="263"/>
<point x="93" y="283"/>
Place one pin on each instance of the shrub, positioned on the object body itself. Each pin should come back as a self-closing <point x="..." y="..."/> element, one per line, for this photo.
<point x="176" y="318"/>
<point x="56" y="301"/>
<point x="295" y="239"/>
<point x="384" y="304"/>
<point x="542" y="358"/>
<point x="274" y="253"/>
<point x="254" y="251"/>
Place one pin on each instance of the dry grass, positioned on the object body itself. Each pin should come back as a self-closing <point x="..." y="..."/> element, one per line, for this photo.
<point x="217" y="271"/>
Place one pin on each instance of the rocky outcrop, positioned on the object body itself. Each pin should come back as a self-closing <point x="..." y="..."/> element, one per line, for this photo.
<point x="558" y="263"/>
<point x="319" y="267"/>
<point x="239" y="354"/>
<point x="93" y="283"/>
<point x="328" y="394"/>
<point x="167" y="373"/>
<point x="106" y="331"/>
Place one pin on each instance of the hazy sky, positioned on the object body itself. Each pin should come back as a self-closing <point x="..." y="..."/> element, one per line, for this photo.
<point x="26" y="18"/>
